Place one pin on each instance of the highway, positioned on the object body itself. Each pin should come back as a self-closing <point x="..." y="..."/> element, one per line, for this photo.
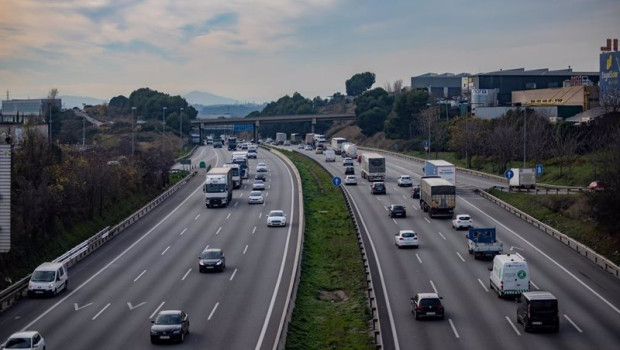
<point x="115" y="293"/>
<point x="476" y="318"/>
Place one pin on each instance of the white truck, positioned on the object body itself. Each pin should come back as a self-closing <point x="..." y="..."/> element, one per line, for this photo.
<point x="330" y="155"/>
<point x="337" y="144"/>
<point x="349" y="150"/>
<point x="218" y="187"/>
<point x="280" y="138"/>
<point x="236" y="174"/>
<point x="522" y="178"/>
<point x="441" y="168"/>
<point x="510" y="275"/>
<point x="373" y="166"/>
<point x="482" y="242"/>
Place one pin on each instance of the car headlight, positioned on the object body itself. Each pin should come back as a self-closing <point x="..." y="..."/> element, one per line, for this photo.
<point x="50" y="286"/>
<point x="219" y="262"/>
<point x="177" y="331"/>
<point x="202" y="263"/>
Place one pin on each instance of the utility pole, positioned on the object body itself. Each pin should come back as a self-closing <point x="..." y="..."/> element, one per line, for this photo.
<point x="132" y="131"/>
<point x="180" y="129"/>
<point x="524" y="136"/>
<point x="163" y="145"/>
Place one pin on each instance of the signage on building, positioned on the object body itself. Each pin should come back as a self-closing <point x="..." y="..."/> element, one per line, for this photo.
<point x="610" y="77"/>
<point x="480" y="91"/>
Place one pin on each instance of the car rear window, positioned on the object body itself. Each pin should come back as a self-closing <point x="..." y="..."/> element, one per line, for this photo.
<point x="408" y="234"/>
<point x="544" y="305"/>
<point x="464" y="218"/>
<point x="430" y="302"/>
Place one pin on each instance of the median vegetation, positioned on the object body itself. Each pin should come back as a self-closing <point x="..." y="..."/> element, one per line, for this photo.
<point x="331" y="309"/>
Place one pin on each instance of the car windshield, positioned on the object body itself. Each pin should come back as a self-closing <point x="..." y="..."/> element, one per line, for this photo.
<point x="276" y="213"/>
<point x="43" y="276"/>
<point x="405" y="177"/>
<point x="216" y="188"/>
<point x="255" y="194"/>
<point x="543" y="305"/>
<point x="18" y="343"/>
<point x="430" y="302"/>
<point x="168" y="319"/>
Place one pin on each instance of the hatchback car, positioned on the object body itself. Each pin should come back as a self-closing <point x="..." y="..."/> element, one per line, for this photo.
<point x="350" y="180"/>
<point x="252" y="154"/>
<point x="406" y="238"/>
<point x="427" y="305"/>
<point x="276" y="218"/>
<point x="24" y="340"/>
<point x="462" y="221"/>
<point x="308" y="148"/>
<point x="405" y="181"/>
<point x="211" y="259"/>
<point x="261" y="167"/>
<point x="260" y="176"/>
<point x="347" y="161"/>
<point x="349" y="170"/>
<point x="397" y="210"/>
<point x="256" y="197"/>
<point x="258" y="185"/>
<point x="377" y="188"/>
<point x="300" y="146"/>
<point x="170" y="325"/>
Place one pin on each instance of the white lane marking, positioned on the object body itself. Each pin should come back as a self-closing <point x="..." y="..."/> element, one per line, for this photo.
<point x="456" y="334"/>
<point x="442" y="236"/>
<point x="197" y="216"/>
<point x="434" y="289"/>
<point x="386" y="208"/>
<point x="427" y="220"/>
<point x="534" y="284"/>
<point x="76" y="307"/>
<point x="131" y="307"/>
<point x="218" y="230"/>
<point x="157" y="310"/>
<point x="102" y="310"/>
<point x="573" y="323"/>
<point x="236" y="203"/>
<point x="182" y="232"/>
<point x="140" y="275"/>
<point x="165" y="250"/>
<point x="213" y="311"/>
<point x="187" y="273"/>
<point x="417" y="256"/>
<point x="394" y="221"/>
<point x="405" y="197"/>
<point x="260" y="215"/>
<point x="548" y="257"/>
<point x="512" y="325"/>
<point x="459" y="255"/>
<point x="245" y="249"/>
<point x="228" y="216"/>
<point x="233" y="274"/>
<point x="267" y="195"/>
<point x="483" y="286"/>
<point x="241" y="195"/>
<point x="254" y="230"/>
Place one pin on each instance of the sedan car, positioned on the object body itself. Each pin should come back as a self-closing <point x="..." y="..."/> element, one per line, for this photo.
<point x="170" y="325"/>
<point x="350" y="180"/>
<point x="406" y="238"/>
<point x="427" y="305"/>
<point x="300" y="146"/>
<point x="24" y="340"/>
<point x="211" y="259"/>
<point x="258" y="185"/>
<point x="397" y="210"/>
<point x="347" y="161"/>
<point x="256" y="197"/>
<point x="349" y="170"/>
<point x="462" y="221"/>
<point x="377" y="188"/>
<point x="308" y="148"/>
<point x="276" y="218"/>
<point x="405" y="181"/>
<point x="261" y="167"/>
<point x="260" y="176"/>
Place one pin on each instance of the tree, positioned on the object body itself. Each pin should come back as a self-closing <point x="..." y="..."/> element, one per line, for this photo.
<point x="372" y="110"/>
<point x="501" y="141"/>
<point x="403" y="121"/>
<point x="359" y="83"/>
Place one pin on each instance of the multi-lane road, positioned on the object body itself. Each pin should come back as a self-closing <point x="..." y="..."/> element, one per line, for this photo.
<point x="153" y="265"/>
<point x="476" y="318"/>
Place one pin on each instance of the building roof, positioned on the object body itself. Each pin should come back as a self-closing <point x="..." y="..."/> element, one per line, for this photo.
<point x="536" y="72"/>
<point x="445" y="75"/>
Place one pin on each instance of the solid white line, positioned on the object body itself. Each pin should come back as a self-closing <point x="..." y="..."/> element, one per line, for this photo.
<point x="417" y="256"/>
<point x="165" y="250"/>
<point x="254" y="230"/>
<point x="535" y="286"/>
<point x="442" y="236"/>
<point x="182" y="232"/>
<point x="197" y="216"/>
<point x="573" y="323"/>
<point x="102" y="310"/>
<point x="548" y="257"/>
<point x="512" y="325"/>
<point x="245" y="249"/>
<point x="187" y="273"/>
<point x="456" y="334"/>
<point x="218" y="230"/>
<point x="459" y="255"/>
<point x="233" y="274"/>
<point x="483" y="286"/>
<point x="140" y="275"/>
<point x="157" y="310"/>
<point x="213" y="311"/>
<point x="434" y="289"/>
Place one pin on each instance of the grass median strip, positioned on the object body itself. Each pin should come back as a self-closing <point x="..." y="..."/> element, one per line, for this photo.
<point x="331" y="308"/>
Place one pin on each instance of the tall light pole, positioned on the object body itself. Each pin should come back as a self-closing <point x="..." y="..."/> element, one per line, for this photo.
<point x="132" y="131"/>
<point x="524" y="135"/>
<point x="180" y="129"/>
<point x="163" y="146"/>
<point x="83" y="130"/>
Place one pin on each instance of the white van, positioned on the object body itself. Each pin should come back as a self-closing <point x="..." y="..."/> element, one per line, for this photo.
<point x="48" y="279"/>
<point x="510" y="275"/>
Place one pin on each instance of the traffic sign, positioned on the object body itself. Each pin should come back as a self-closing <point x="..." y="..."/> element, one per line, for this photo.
<point x="336" y="181"/>
<point x="539" y="169"/>
<point x="425" y="143"/>
<point x="509" y="174"/>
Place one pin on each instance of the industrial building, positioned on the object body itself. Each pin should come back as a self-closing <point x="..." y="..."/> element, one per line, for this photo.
<point x="23" y="111"/>
<point x="445" y="86"/>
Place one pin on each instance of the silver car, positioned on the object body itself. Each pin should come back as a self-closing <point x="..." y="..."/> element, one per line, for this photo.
<point x="256" y="197"/>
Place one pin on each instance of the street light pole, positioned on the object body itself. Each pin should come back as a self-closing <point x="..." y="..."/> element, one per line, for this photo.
<point x="83" y="130"/>
<point x="180" y="129"/>
<point x="132" y="131"/>
<point x="163" y="146"/>
<point x="524" y="136"/>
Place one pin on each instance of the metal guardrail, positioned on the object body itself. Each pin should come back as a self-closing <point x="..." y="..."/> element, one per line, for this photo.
<point x="19" y="289"/>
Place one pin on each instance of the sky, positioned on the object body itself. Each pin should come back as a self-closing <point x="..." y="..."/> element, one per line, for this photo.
<point x="260" y="50"/>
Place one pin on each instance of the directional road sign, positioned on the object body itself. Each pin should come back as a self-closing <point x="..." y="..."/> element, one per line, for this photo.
<point x="336" y="181"/>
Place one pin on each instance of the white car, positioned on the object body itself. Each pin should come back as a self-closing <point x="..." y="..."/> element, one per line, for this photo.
<point x="406" y="238"/>
<point x="308" y="147"/>
<point x="347" y="161"/>
<point x="405" y="181"/>
<point x="258" y="185"/>
<point x="350" y="180"/>
<point x="256" y="197"/>
<point x="276" y="218"/>
<point x="261" y="167"/>
<point x="462" y="221"/>
<point x="300" y="146"/>
<point x="24" y="340"/>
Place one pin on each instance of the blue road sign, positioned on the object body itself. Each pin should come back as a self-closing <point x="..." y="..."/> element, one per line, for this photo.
<point x="539" y="169"/>
<point x="509" y="174"/>
<point x="425" y="143"/>
<point x="336" y="181"/>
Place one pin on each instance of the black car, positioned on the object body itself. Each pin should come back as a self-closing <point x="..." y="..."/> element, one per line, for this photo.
<point x="427" y="305"/>
<point x="260" y="176"/>
<point x="397" y="210"/>
<point x="170" y="326"/>
<point x="212" y="259"/>
<point x="349" y="170"/>
<point x="415" y="192"/>
<point x="377" y="188"/>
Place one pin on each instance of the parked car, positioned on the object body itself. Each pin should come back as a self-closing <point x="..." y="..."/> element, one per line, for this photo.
<point x="427" y="305"/>
<point x="404" y="181"/>
<point x="261" y="168"/>
<point x="415" y="191"/>
<point x="462" y="221"/>
<point x="256" y="197"/>
<point x="397" y="210"/>
<point x="170" y="325"/>
<point x="24" y="340"/>
<point x="350" y="180"/>
<point x="276" y="218"/>
<point x="349" y="170"/>
<point x="377" y="188"/>
<point x="596" y="186"/>
<point x="212" y="259"/>
<point x="258" y="185"/>
<point x="406" y="238"/>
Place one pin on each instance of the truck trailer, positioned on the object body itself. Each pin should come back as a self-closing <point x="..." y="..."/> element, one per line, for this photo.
<point x="437" y="197"/>
<point x="218" y="187"/>
<point x="440" y="168"/>
<point x="523" y="178"/>
<point x="280" y="138"/>
<point x="349" y="150"/>
<point x="373" y="167"/>
<point x="337" y="144"/>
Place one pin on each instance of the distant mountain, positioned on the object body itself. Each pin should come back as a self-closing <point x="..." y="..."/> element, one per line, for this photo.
<point x="205" y="98"/>
<point x="228" y="110"/>
<point x="78" y="101"/>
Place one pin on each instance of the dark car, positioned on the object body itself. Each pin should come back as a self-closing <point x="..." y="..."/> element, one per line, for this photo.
<point x="377" y="188"/>
<point x="427" y="305"/>
<point x="397" y="210"/>
<point x="538" y="310"/>
<point x="170" y="326"/>
<point x="415" y="191"/>
<point x="260" y="176"/>
<point x="212" y="259"/>
<point x="217" y="144"/>
<point x="349" y="170"/>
